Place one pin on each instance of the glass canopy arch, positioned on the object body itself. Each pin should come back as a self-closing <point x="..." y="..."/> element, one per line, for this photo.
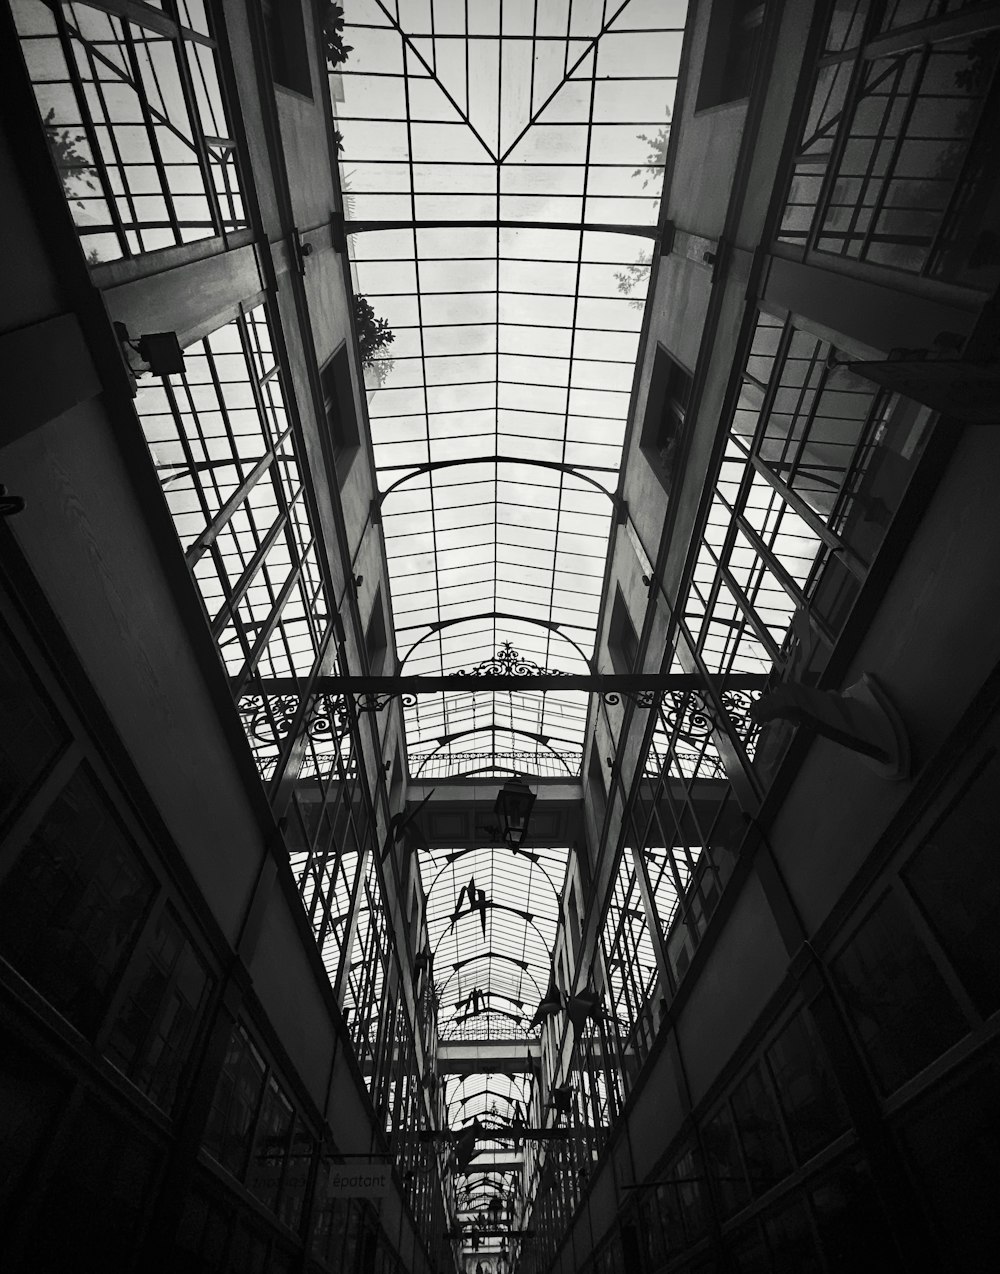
<point x="502" y="167"/>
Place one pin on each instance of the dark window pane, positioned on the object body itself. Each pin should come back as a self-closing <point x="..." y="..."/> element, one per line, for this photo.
<point x="270" y="1152"/>
<point x="723" y="1155"/>
<point x="806" y="1089"/>
<point x="248" y="1251"/>
<point x="764" y="1150"/>
<point x="234" y="1109"/>
<point x="903" y="1013"/>
<point x="154" y="1032"/>
<point x="98" y="1198"/>
<point x="691" y="1192"/>
<point x="72" y="903"/>
<point x="749" y="1252"/>
<point x="652" y="1233"/>
<point x="790" y="1238"/>
<point x="954" y="1144"/>
<point x="29" y="1101"/>
<point x="296" y="1176"/>
<point x="852" y="1227"/>
<point x="956" y="882"/>
<point x="30" y="732"/>
<point x="203" y="1232"/>
<point x="668" y="1205"/>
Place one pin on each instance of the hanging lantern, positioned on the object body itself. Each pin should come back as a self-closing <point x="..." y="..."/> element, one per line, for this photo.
<point x="513" y="808"/>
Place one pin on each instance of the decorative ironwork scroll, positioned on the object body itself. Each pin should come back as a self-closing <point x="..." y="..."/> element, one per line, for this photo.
<point x="375" y="702"/>
<point x="691" y="713"/>
<point x="269" y="719"/>
<point x="507" y="662"/>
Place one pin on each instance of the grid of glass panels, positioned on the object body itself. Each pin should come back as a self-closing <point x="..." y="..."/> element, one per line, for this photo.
<point x="630" y="965"/>
<point x="502" y="169"/>
<point x="490" y="1097"/>
<point x="816" y="463"/>
<point x="491" y="959"/>
<point x="135" y="121"/>
<point x="224" y="451"/>
<point x="896" y="162"/>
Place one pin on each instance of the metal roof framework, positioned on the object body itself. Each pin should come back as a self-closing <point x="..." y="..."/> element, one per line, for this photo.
<point x="502" y="168"/>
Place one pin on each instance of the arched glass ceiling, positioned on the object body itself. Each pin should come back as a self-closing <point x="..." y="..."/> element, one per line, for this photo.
<point x="491" y="962"/>
<point x="502" y="164"/>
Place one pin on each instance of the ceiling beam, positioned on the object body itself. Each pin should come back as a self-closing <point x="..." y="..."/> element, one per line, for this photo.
<point x="474" y="1057"/>
<point x="599" y="683"/>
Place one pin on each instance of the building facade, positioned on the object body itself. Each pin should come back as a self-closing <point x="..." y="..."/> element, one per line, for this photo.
<point x="256" y="1013"/>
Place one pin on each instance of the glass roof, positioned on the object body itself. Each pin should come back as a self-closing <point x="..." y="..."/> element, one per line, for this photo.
<point x="491" y="961"/>
<point x="502" y="167"/>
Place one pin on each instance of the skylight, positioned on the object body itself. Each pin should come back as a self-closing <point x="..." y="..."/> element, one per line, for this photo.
<point x="502" y="168"/>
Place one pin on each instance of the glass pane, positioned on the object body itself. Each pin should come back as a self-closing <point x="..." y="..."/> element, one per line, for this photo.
<point x="231" y="1121"/>
<point x="953" y="1144"/>
<point x="851" y="1224"/>
<point x="30" y="732"/>
<point x="560" y="125"/>
<point x="809" y="1099"/>
<point x="763" y="1142"/>
<point x="903" y="1012"/>
<point x="72" y="903"/>
<point x="953" y="877"/>
<point x="156" y="1027"/>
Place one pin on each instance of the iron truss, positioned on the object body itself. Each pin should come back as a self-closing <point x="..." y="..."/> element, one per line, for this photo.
<point x="683" y="700"/>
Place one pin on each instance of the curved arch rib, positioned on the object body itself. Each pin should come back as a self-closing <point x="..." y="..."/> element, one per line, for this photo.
<point x="440" y="625"/>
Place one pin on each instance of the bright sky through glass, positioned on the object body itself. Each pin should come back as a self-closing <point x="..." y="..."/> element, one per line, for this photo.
<point x="505" y="163"/>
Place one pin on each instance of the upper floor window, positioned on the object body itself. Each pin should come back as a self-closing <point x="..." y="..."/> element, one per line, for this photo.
<point x="895" y="160"/>
<point x="666" y="413"/>
<point x="286" y="41"/>
<point x="338" y="406"/>
<point x="623" y="644"/>
<point x="731" y="50"/>
<point x="135" y="123"/>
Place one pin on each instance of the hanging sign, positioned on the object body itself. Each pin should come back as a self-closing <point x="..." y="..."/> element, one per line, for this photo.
<point x="358" y="1181"/>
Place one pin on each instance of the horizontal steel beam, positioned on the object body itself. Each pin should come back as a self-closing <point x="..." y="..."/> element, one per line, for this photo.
<point x="508" y="1132"/>
<point x="597" y="683"/>
<point x="470" y="1057"/>
<point x="503" y="223"/>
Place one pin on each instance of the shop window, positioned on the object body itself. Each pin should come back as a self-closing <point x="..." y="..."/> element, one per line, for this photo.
<point x="691" y="1194"/>
<point x="248" y="1250"/>
<point x="723" y="1155"/>
<point x="30" y="1099"/>
<point x="96" y="1202"/>
<point x="30" y="733"/>
<point x="203" y="1232"/>
<point x="749" y="1251"/>
<point x="286" y="42"/>
<point x="850" y="1221"/>
<point x="339" y="410"/>
<point x="293" y="1190"/>
<point x="623" y="644"/>
<point x="954" y="878"/>
<point x="731" y="50"/>
<point x="152" y="1037"/>
<point x="813" y="1111"/>
<point x="952" y="1140"/>
<point x="229" y="1130"/>
<point x="73" y="902"/>
<point x="664" y="431"/>
<point x="901" y="1008"/>
<point x="764" y="1150"/>
<point x="790" y="1238"/>
<point x="271" y="1147"/>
